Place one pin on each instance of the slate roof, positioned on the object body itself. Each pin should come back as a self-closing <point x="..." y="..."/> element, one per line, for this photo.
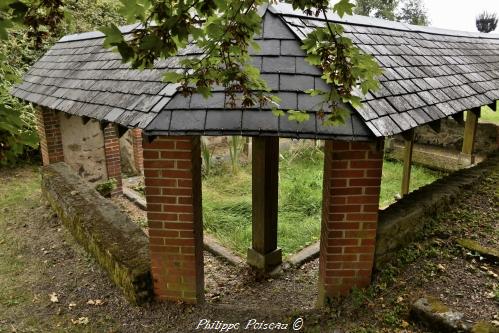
<point x="429" y="74"/>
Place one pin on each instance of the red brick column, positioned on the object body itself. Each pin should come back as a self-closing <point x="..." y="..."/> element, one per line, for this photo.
<point x="172" y="170"/>
<point x="138" y="157"/>
<point x="352" y="179"/>
<point x="49" y="132"/>
<point x="113" y="156"/>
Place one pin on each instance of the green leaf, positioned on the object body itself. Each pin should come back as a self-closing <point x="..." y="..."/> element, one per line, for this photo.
<point x="344" y="7"/>
<point x="298" y="116"/>
<point x="172" y="77"/>
<point x="278" y="113"/>
<point x="113" y="35"/>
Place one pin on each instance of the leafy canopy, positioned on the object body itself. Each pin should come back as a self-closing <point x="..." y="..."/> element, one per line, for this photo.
<point x="486" y="22"/>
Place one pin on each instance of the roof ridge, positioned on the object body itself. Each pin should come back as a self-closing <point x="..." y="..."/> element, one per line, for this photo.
<point x="285" y="9"/>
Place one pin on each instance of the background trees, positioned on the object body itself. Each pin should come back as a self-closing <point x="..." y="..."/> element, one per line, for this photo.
<point x="407" y="11"/>
<point x="486" y="22"/>
<point x="27" y="30"/>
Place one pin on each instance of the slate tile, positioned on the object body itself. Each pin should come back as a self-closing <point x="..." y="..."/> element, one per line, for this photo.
<point x="279" y="65"/>
<point x="303" y="67"/>
<point x="229" y="120"/>
<point x="259" y="121"/>
<point x="296" y="82"/>
<point x="399" y="103"/>
<point x="291" y="48"/>
<point x="394" y="88"/>
<point x="191" y="120"/>
<point x="386" y="126"/>
<point x="381" y="107"/>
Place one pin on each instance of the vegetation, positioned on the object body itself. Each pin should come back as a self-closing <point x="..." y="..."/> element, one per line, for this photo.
<point x="407" y="11"/>
<point x="227" y="199"/>
<point x="486" y="22"/>
<point x="489" y="115"/>
<point x="21" y="45"/>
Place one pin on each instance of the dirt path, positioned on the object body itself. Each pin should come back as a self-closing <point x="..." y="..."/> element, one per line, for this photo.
<point x="38" y="258"/>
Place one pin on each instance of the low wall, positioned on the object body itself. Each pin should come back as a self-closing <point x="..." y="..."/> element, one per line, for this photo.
<point x="451" y="136"/>
<point x="401" y="222"/>
<point x="118" y="244"/>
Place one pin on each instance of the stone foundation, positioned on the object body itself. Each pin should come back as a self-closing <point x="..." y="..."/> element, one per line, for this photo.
<point x="118" y="244"/>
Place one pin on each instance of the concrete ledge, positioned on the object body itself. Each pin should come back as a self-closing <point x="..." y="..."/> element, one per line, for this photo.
<point x="212" y="245"/>
<point x="305" y="255"/>
<point x="117" y="243"/>
<point x="401" y="222"/>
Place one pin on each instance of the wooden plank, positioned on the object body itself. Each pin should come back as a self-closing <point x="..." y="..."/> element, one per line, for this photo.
<point x="470" y="133"/>
<point x="265" y="173"/>
<point x="406" y="173"/>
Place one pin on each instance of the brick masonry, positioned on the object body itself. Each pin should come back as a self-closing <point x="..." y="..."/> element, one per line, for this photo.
<point x="172" y="170"/>
<point x="352" y="179"/>
<point x="138" y="156"/>
<point x="113" y="156"/>
<point x="49" y="132"/>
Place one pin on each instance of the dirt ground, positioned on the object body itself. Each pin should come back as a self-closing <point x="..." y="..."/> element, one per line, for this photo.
<point x="49" y="284"/>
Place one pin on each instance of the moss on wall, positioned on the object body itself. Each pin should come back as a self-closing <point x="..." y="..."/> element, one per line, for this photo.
<point x="117" y="243"/>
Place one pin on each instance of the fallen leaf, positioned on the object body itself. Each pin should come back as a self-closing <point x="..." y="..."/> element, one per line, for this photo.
<point x="404" y="324"/>
<point x="54" y="298"/>
<point x="80" y="321"/>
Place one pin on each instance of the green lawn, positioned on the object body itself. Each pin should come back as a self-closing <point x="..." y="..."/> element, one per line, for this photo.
<point x="489" y="115"/>
<point x="227" y="199"/>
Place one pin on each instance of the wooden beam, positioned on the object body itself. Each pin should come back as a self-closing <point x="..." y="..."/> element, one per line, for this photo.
<point x="459" y="117"/>
<point x="408" y="148"/>
<point x="470" y="133"/>
<point x="436" y="125"/>
<point x="264" y="253"/>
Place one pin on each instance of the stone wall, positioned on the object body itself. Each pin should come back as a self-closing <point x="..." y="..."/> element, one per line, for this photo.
<point x="451" y="136"/>
<point x="401" y="222"/>
<point x="118" y="244"/>
<point x="127" y="157"/>
<point x="83" y="147"/>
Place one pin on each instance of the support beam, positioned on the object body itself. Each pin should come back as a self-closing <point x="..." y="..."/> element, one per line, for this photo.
<point x="85" y="119"/>
<point x="49" y="132"/>
<point x="470" y="134"/>
<point x="264" y="253"/>
<point x="352" y="181"/>
<point x="493" y="106"/>
<point x="406" y="176"/>
<point x="172" y="173"/>
<point x="113" y="156"/>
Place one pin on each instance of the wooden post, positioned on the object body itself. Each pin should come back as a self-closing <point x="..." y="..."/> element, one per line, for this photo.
<point x="470" y="134"/>
<point x="408" y="147"/>
<point x="264" y="253"/>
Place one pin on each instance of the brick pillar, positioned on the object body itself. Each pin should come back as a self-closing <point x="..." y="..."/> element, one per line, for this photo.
<point x="113" y="156"/>
<point x="138" y="157"/>
<point x="49" y="132"/>
<point x="172" y="170"/>
<point x="352" y="179"/>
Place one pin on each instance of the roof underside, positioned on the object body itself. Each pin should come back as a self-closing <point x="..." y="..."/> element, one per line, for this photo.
<point x="428" y="75"/>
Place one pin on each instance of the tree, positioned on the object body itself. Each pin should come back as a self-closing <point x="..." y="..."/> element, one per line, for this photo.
<point x="27" y="29"/>
<point x="486" y="22"/>
<point x="413" y="12"/>
<point x="384" y="9"/>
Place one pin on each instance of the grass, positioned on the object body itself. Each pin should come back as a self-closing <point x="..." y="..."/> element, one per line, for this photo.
<point x="489" y="115"/>
<point x="227" y="199"/>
